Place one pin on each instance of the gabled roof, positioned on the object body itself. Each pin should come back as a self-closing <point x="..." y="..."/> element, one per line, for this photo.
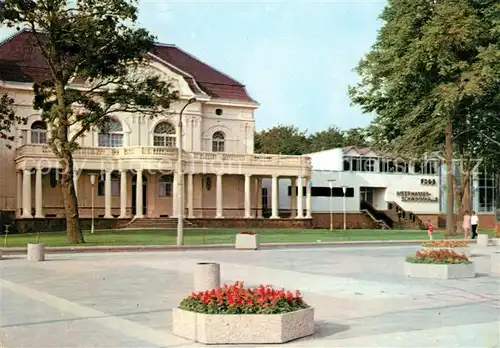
<point x="360" y="151"/>
<point x="22" y="61"/>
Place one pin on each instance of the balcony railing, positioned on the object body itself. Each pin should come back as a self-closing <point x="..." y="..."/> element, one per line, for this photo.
<point x="163" y="153"/>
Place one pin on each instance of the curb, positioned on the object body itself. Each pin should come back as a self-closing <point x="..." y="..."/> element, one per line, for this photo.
<point x="148" y="248"/>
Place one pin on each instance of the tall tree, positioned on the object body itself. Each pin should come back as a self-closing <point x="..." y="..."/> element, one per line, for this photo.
<point x="282" y="139"/>
<point x="8" y="118"/>
<point x="326" y="139"/>
<point x="96" y="40"/>
<point x="432" y="64"/>
<point x="357" y="137"/>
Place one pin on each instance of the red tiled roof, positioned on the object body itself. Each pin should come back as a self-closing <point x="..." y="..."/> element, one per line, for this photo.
<point x="22" y="61"/>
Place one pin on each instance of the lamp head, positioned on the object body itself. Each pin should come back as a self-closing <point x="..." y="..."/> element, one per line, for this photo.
<point x="191" y="100"/>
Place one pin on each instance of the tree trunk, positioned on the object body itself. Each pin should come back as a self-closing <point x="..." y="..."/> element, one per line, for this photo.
<point x="73" y="228"/>
<point x="449" y="179"/>
<point x="462" y="200"/>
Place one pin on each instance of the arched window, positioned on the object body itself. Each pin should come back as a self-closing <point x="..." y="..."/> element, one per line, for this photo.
<point x="38" y="132"/>
<point x="164" y="135"/>
<point x="218" y="142"/>
<point x="165" y="186"/>
<point x="111" y="135"/>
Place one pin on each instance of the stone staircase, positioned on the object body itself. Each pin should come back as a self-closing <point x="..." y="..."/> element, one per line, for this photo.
<point x="154" y="223"/>
<point x="382" y="220"/>
<point x="403" y="219"/>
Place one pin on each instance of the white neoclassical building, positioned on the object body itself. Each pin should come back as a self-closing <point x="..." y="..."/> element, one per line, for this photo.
<point x="134" y="162"/>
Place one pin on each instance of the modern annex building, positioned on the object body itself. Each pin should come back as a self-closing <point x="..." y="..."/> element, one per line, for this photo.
<point x="380" y="190"/>
<point x="223" y="177"/>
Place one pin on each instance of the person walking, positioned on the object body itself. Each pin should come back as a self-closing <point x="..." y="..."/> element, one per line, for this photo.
<point x="466" y="224"/>
<point x="430" y="229"/>
<point x="474" y="222"/>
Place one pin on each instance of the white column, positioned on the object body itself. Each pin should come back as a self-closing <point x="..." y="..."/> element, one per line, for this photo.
<point x="293" y="197"/>
<point x="138" y="195"/>
<point x="300" y="195"/>
<point x="308" y="198"/>
<point x="247" y="196"/>
<point x="218" y="213"/>
<point x="19" y="193"/>
<point x="175" y="198"/>
<point x="274" y="193"/>
<point x="123" y="194"/>
<point x="190" y="195"/>
<point x="75" y="182"/>
<point x="27" y="193"/>
<point x="38" y="194"/>
<point x="107" y="195"/>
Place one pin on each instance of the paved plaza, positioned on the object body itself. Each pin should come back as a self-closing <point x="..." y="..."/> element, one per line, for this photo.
<point x="360" y="294"/>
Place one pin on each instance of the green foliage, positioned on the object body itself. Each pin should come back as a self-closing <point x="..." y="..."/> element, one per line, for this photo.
<point x="8" y="118"/>
<point x="289" y="140"/>
<point x="432" y="61"/>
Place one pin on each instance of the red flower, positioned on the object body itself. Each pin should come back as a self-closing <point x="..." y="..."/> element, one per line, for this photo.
<point x="248" y="232"/>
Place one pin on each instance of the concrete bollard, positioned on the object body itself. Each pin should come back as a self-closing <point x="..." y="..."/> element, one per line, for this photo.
<point x="495" y="263"/>
<point x="36" y="252"/>
<point x="482" y="240"/>
<point x="1" y="254"/>
<point x="206" y="276"/>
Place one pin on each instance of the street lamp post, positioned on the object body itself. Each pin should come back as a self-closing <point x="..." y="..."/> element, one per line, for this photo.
<point x="92" y="182"/>
<point x="330" y="183"/>
<point x="344" y="189"/>
<point x="180" y="179"/>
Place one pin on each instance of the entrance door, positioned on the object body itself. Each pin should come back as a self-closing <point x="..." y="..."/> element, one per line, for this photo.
<point x="144" y="194"/>
<point x="366" y="194"/>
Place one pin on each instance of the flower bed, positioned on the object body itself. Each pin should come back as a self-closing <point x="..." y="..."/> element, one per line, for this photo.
<point x="461" y="247"/>
<point x="247" y="240"/>
<point x="258" y="315"/>
<point x="439" y="263"/>
<point x="445" y="244"/>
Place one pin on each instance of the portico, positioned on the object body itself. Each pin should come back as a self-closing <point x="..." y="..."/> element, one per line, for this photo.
<point x="119" y="177"/>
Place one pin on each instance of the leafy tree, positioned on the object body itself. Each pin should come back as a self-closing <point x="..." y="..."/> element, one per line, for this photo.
<point x="8" y="118"/>
<point x="281" y="139"/>
<point x="96" y="40"/>
<point x="428" y="75"/>
<point x="326" y="139"/>
<point x="357" y="137"/>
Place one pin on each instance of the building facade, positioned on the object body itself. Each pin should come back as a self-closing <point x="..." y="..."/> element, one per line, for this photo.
<point x="376" y="184"/>
<point x="133" y="163"/>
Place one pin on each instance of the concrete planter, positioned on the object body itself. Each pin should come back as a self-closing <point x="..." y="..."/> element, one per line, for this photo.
<point x="1" y="254"/>
<point x="36" y="252"/>
<point x="242" y="329"/>
<point x="495" y="263"/>
<point x="439" y="271"/>
<point x="482" y="240"/>
<point x="462" y="250"/>
<point x="247" y="241"/>
<point x="495" y="241"/>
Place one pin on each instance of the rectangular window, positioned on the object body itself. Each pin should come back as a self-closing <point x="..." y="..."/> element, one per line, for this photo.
<point x="164" y="189"/>
<point x="110" y="140"/>
<point x="324" y="191"/>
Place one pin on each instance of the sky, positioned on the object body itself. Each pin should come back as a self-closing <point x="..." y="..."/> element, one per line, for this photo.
<point x="296" y="58"/>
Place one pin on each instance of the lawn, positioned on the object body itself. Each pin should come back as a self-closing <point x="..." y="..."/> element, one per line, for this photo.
<point x="217" y="236"/>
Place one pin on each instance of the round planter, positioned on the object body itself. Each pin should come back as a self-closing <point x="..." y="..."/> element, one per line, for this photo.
<point x="206" y="276"/>
<point x="35" y="252"/>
